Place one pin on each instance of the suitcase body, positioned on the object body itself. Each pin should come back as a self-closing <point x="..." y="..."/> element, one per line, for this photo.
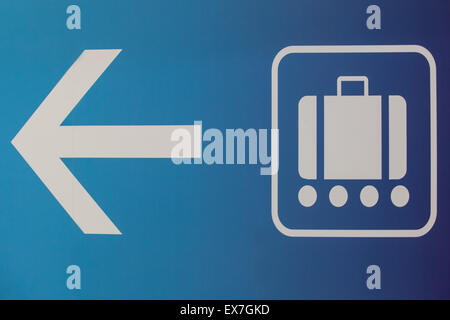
<point x="352" y="145"/>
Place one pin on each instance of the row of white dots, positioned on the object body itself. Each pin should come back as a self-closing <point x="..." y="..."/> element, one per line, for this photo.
<point x="338" y="196"/>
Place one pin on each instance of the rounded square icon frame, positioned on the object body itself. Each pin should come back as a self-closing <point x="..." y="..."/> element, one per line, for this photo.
<point x="362" y="233"/>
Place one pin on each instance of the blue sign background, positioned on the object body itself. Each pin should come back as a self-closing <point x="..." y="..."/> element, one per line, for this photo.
<point x="316" y="74"/>
<point x="195" y="231"/>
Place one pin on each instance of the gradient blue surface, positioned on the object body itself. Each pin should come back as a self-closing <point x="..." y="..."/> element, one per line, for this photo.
<point x="315" y="74"/>
<point x="198" y="231"/>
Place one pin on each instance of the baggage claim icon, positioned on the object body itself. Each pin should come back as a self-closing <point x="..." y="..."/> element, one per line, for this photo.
<point x="352" y="144"/>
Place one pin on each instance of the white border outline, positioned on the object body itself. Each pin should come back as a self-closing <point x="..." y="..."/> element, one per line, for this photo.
<point x="385" y="233"/>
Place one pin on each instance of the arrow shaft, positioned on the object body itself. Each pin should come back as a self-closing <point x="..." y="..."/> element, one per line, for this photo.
<point x="153" y="141"/>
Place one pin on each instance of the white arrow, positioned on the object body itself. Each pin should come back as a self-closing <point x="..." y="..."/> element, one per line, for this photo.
<point x="42" y="141"/>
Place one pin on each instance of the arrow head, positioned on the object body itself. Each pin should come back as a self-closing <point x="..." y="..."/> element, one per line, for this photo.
<point x="38" y="141"/>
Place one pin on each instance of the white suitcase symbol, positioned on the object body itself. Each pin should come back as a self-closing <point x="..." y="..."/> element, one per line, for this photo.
<point x="352" y="135"/>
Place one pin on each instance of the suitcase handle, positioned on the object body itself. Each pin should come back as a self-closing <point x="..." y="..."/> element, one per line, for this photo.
<point x="352" y="78"/>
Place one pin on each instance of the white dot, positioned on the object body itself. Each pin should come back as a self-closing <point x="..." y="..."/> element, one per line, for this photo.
<point x="307" y="196"/>
<point x="369" y="196"/>
<point x="338" y="196"/>
<point x="400" y="196"/>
